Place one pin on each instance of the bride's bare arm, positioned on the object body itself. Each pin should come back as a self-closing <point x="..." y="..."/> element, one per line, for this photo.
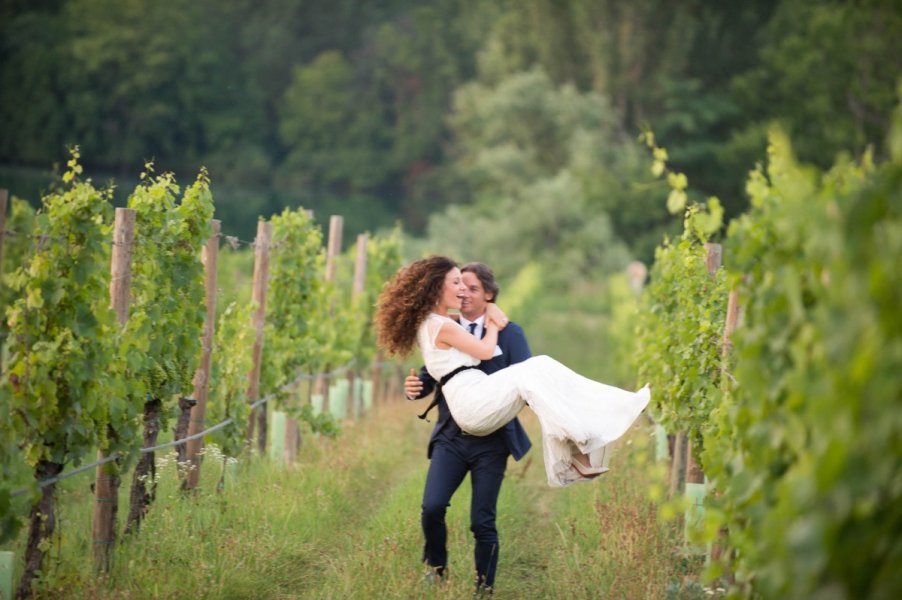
<point x="495" y="314"/>
<point x="453" y="336"/>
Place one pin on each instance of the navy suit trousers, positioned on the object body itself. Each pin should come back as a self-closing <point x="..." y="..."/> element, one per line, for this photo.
<point x="486" y="460"/>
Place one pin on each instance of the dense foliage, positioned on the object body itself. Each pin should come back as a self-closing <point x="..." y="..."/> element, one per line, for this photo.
<point x="63" y="340"/>
<point x="383" y="259"/>
<point x="64" y="387"/>
<point x="168" y="280"/>
<point x="343" y="106"/>
<point x="17" y="243"/>
<point x="304" y="332"/>
<point x="517" y="119"/>
<point x="801" y="437"/>
<point x="76" y="381"/>
<point x="231" y="362"/>
<point x="807" y="444"/>
<point x="681" y="320"/>
<point x="295" y="297"/>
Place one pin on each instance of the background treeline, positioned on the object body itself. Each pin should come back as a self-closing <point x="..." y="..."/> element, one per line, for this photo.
<point x="397" y="109"/>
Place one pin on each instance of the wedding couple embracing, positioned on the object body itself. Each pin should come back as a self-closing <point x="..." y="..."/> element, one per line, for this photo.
<point x="479" y="366"/>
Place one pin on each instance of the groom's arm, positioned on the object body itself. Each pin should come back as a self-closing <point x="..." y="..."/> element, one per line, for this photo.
<point x="426" y="381"/>
<point x="516" y="348"/>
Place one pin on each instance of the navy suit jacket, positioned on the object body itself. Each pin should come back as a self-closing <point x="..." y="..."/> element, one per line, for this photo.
<point x="514" y="349"/>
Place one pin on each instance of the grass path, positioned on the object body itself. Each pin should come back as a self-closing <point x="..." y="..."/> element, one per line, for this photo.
<point x="344" y="523"/>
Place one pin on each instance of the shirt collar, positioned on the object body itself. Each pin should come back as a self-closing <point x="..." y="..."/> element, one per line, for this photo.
<point x="480" y="321"/>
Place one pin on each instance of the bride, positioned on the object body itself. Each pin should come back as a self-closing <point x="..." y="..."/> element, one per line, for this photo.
<point x="577" y="415"/>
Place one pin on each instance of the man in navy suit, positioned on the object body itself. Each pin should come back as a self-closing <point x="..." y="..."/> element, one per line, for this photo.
<point x="454" y="453"/>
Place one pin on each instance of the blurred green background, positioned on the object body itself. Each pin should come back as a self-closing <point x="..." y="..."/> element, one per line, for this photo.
<point x="495" y="130"/>
<point x="400" y="109"/>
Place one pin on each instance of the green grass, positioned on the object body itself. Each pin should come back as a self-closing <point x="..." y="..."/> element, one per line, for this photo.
<point x="344" y="523"/>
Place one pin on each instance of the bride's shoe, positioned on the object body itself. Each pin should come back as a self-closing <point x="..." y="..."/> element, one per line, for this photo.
<point x="588" y="471"/>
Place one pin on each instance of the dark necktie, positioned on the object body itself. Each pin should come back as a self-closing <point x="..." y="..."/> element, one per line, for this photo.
<point x="472" y="327"/>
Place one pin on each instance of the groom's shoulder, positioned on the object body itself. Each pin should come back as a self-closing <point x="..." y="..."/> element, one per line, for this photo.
<point x="513" y="326"/>
<point x="514" y="344"/>
<point x="513" y="330"/>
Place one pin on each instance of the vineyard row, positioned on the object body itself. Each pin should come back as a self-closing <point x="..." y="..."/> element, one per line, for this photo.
<point x="111" y="329"/>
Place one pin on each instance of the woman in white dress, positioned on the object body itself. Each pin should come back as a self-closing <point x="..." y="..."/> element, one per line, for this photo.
<point x="577" y="415"/>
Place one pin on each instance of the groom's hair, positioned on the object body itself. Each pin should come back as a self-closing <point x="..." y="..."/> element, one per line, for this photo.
<point x="485" y="276"/>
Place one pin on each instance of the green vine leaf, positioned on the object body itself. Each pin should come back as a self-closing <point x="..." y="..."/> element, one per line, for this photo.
<point x="676" y="201"/>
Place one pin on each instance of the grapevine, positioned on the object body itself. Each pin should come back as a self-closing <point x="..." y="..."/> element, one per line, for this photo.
<point x="805" y="445"/>
<point x="297" y="311"/>
<point x="682" y="314"/>
<point x="168" y="298"/>
<point x="64" y="386"/>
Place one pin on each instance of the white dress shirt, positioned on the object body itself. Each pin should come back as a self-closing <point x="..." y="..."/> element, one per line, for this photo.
<point x="480" y="325"/>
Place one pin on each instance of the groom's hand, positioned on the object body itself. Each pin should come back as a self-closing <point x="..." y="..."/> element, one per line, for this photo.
<point x="496" y="315"/>
<point x="412" y="385"/>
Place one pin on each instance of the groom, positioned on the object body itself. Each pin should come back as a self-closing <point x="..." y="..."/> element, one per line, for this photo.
<point x="454" y="453"/>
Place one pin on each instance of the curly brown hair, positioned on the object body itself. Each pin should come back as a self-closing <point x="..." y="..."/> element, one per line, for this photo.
<point x="406" y="300"/>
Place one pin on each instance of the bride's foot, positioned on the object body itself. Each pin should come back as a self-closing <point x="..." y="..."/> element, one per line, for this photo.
<point x="582" y="465"/>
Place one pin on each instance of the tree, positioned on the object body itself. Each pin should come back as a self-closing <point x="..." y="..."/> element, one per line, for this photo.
<point x="826" y="72"/>
<point x="332" y="140"/>
<point x="548" y="169"/>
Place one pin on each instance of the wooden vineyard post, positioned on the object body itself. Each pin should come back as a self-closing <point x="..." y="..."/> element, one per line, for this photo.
<point x="106" y="485"/>
<point x="334" y="248"/>
<point x="376" y="378"/>
<point x="394" y="384"/>
<point x="678" y="464"/>
<point x="719" y="546"/>
<point x="258" y="296"/>
<point x="360" y="266"/>
<point x="731" y="321"/>
<point x="201" y="381"/>
<point x="321" y="386"/>
<point x="355" y="396"/>
<point x="713" y="258"/>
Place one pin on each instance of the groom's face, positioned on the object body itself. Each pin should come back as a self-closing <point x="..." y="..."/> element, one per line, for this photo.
<point x="473" y="303"/>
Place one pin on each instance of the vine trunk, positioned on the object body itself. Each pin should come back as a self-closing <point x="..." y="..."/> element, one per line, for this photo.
<point x="144" y="483"/>
<point x="42" y="524"/>
<point x="181" y="426"/>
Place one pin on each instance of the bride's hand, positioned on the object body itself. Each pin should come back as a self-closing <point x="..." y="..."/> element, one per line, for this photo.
<point x="496" y="315"/>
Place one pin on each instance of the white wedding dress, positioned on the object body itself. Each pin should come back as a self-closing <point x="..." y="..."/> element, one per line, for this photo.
<point x="570" y="407"/>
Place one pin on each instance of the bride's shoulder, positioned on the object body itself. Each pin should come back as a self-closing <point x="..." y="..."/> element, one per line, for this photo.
<point x="443" y="318"/>
<point x="450" y="318"/>
<point x="451" y="321"/>
<point x="435" y="322"/>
